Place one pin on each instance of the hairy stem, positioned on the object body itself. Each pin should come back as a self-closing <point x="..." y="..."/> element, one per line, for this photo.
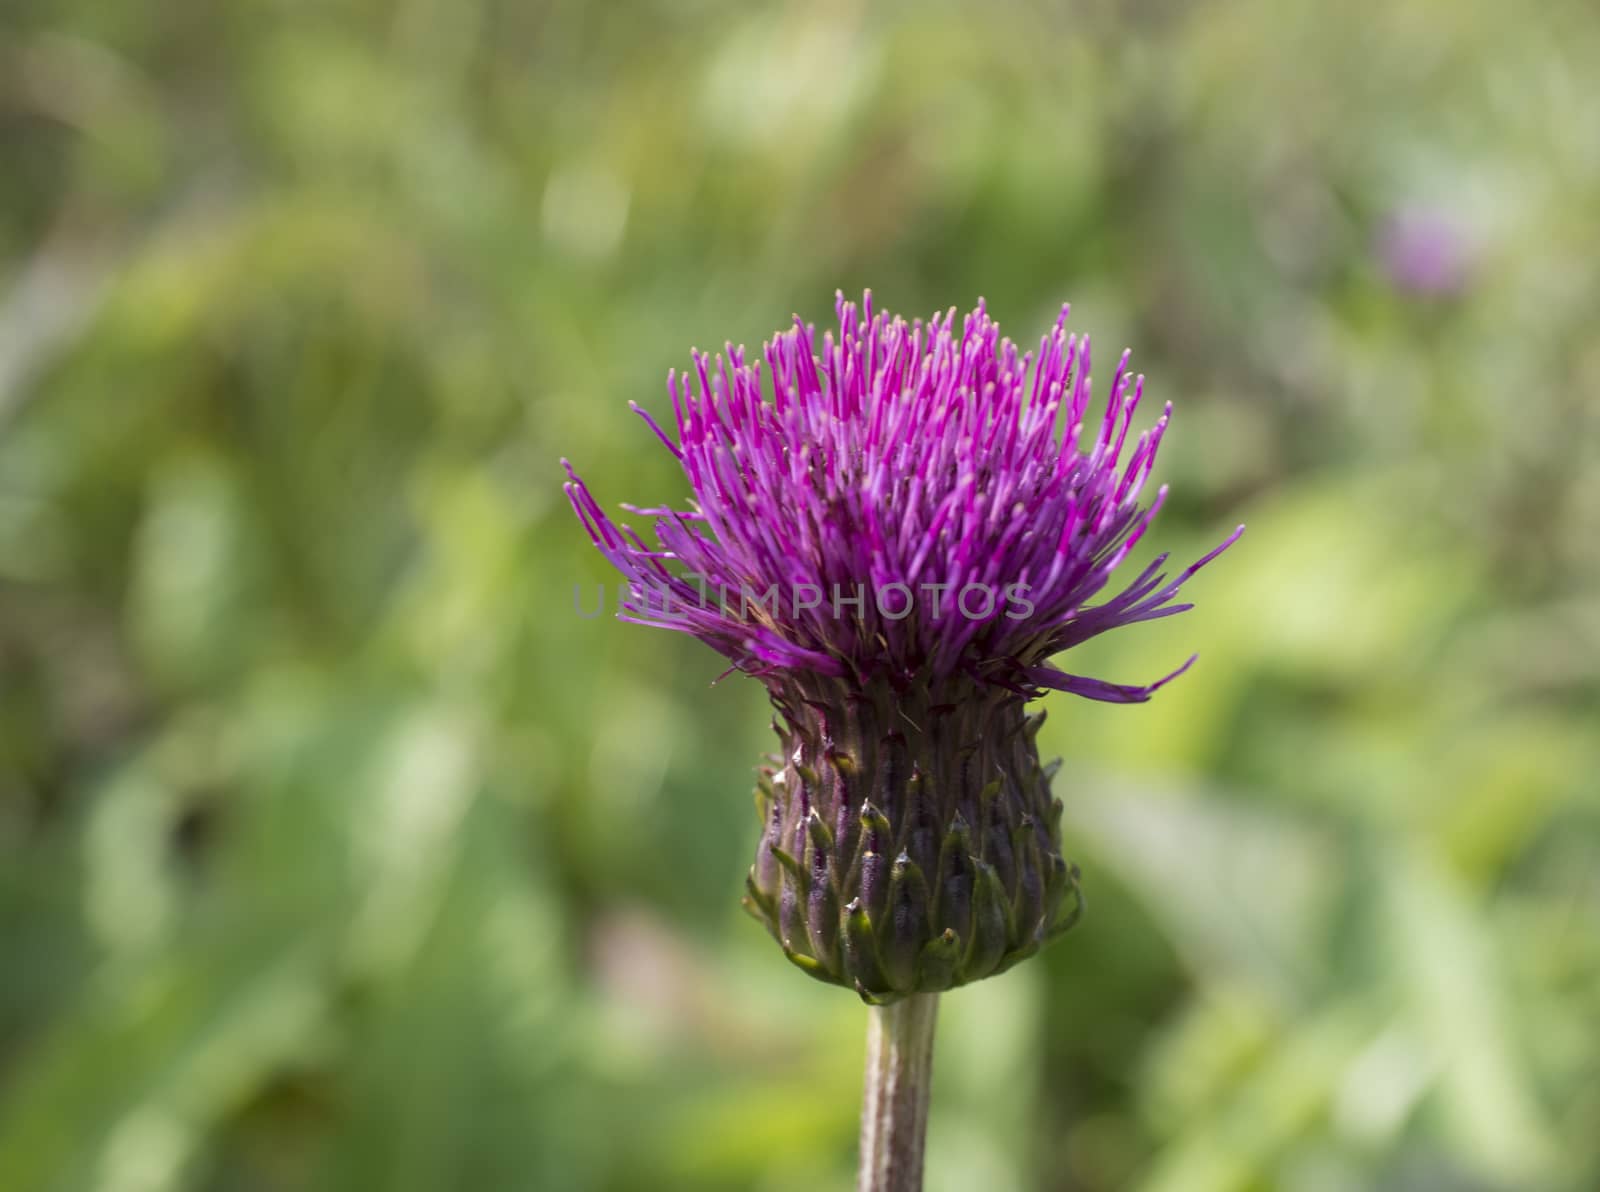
<point x="894" y="1110"/>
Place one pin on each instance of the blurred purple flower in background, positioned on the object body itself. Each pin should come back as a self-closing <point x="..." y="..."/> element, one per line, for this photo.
<point x="1425" y="251"/>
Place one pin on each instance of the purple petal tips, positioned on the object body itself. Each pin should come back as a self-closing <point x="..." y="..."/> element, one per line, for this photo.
<point x="909" y="502"/>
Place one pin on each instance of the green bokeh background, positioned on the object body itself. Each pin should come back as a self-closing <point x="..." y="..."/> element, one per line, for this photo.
<point x="338" y="852"/>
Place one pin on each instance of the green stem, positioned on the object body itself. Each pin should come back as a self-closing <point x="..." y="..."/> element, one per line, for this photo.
<point x="894" y="1110"/>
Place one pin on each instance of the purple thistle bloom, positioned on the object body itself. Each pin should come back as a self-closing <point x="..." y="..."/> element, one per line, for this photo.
<point x="898" y="541"/>
<point x="914" y="463"/>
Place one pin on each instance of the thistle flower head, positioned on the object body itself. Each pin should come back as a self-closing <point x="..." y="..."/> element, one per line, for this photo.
<point x="914" y="502"/>
<point x="895" y="530"/>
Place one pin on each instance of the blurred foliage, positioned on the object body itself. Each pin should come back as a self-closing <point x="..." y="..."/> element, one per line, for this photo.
<point x="338" y="851"/>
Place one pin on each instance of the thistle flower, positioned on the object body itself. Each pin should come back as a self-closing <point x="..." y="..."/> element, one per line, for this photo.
<point x="896" y="543"/>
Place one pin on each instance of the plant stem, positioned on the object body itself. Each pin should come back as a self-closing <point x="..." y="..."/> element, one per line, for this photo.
<point x="894" y="1109"/>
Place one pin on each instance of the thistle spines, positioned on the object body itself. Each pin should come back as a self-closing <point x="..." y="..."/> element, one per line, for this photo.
<point x="906" y="927"/>
<point x="894" y="865"/>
